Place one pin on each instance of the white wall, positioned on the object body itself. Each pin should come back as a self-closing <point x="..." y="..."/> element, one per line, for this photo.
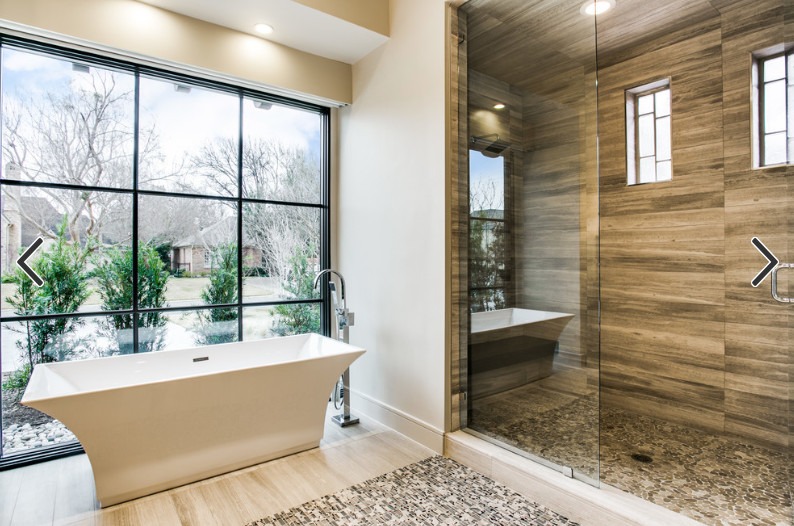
<point x="391" y="222"/>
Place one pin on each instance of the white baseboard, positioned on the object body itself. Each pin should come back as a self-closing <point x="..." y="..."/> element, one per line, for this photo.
<point x="408" y="425"/>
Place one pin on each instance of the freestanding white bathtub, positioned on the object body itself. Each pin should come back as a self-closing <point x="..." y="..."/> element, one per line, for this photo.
<point x="154" y="421"/>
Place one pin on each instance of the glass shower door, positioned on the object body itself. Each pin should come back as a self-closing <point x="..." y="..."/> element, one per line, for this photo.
<point x="529" y="101"/>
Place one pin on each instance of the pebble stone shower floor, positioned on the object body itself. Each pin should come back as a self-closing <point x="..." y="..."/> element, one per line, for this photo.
<point x="716" y="480"/>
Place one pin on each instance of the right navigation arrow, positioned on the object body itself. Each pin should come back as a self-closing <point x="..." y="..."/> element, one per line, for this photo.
<point x="773" y="261"/>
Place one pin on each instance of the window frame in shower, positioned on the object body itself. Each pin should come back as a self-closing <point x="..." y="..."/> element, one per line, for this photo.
<point x="633" y="115"/>
<point x="138" y="70"/>
<point x="759" y="62"/>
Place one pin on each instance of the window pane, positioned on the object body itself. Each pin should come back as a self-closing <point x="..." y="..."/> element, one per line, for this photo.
<point x="281" y="252"/>
<point x="66" y="122"/>
<point x="646" y="135"/>
<point x="645" y="104"/>
<point x="487" y="253"/>
<point x="790" y="110"/>
<point x="774" y="68"/>
<point x="81" y="230"/>
<point x="176" y="233"/>
<point x="663" y="103"/>
<point x="648" y="170"/>
<point x="164" y="331"/>
<point x="281" y="320"/>
<point x="487" y="299"/>
<point x="486" y="185"/>
<point x="775" y="148"/>
<point x="664" y="171"/>
<point x="26" y="344"/>
<point x="775" y="106"/>
<point x="663" y="139"/>
<point x="282" y="153"/>
<point x="189" y="139"/>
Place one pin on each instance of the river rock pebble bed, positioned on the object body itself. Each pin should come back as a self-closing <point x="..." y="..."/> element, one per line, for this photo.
<point x="17" y="438"/>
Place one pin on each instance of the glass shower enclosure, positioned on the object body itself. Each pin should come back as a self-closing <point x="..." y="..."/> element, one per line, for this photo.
<point x="625" y="270"/>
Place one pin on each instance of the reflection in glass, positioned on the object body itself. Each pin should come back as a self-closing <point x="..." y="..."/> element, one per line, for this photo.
<point x="486" y="185"/>
<point x="66" y="122"/>
<point x="191" y="138"/>
<point x="282" y="252"/>
<point x="280" y="320"/>
<point x="282" y="153"/>
<point x="196" y="239"/>
<point x="487" y="258"/>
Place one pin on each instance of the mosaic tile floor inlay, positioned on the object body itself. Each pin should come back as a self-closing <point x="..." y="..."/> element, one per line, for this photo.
<point x="436" y="490"/>
<point x="717" y="480"/>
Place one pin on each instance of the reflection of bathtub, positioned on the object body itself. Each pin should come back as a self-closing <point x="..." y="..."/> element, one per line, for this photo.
<point x="154" y="421"/>
<point x="512" y="347"/>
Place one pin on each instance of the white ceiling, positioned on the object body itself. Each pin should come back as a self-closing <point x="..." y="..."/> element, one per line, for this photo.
<point x="296" y="25"/>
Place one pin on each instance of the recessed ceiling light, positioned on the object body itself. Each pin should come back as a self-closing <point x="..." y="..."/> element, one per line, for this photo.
<point x="263" y="29"/>
<point x="499" y="106"/>
<point x="596" y="7"/>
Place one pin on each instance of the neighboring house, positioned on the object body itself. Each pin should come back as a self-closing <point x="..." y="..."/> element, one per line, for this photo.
<point x="195" y="253"/>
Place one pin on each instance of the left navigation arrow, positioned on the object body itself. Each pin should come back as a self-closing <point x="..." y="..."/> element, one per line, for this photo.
<point x="24" y="266"/>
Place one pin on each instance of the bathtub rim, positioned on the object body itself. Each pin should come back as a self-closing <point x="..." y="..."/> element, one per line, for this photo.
<point x="353" y="349"/>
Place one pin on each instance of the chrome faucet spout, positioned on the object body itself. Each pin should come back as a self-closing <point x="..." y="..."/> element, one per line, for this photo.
<point x="341" y="281"/>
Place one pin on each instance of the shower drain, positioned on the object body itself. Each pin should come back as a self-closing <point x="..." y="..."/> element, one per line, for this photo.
<point x="639" y="457"/>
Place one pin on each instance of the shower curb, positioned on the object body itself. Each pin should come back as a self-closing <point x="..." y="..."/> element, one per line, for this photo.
<point x="576" y="500"/>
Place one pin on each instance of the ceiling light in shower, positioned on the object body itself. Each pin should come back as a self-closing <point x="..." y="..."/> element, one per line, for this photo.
<point x="263" y="29"/>
<point x="499" y="106"/>
<point x="596" y="7"/>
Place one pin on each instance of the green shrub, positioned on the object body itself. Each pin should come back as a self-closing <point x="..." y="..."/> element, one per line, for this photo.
<point x="64" y="290"/>
<point x="114" y="278"/>
<point x="298" y="318"/>
<point x="219" y="325"/>
<point x="18" y="380"/>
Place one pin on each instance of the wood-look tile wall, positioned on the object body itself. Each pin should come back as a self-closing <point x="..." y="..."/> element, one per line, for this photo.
<point x="683" y="335"/>
<point x="554" y="206"/>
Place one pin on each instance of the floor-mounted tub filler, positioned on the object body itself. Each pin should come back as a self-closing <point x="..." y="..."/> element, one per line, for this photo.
<point x="154" y="421"/>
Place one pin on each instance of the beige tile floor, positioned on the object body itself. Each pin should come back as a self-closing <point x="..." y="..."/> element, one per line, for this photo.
<point x="62" y="491"/>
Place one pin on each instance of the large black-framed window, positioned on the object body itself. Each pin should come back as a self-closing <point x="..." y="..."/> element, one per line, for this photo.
<point x="175" y="211"/>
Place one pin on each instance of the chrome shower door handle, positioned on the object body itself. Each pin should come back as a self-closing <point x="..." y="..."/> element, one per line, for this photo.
<point x="774" y="282"/>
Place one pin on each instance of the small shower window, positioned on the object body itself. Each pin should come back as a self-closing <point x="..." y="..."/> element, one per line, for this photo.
<point x="648" y="133"/>
<point x="773" y="82"/>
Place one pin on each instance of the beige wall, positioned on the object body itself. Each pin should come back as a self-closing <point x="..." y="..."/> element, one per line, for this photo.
<point x="130" y="26"/>
<point x="391" y="222"/>
<point x="371" y="14"/>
